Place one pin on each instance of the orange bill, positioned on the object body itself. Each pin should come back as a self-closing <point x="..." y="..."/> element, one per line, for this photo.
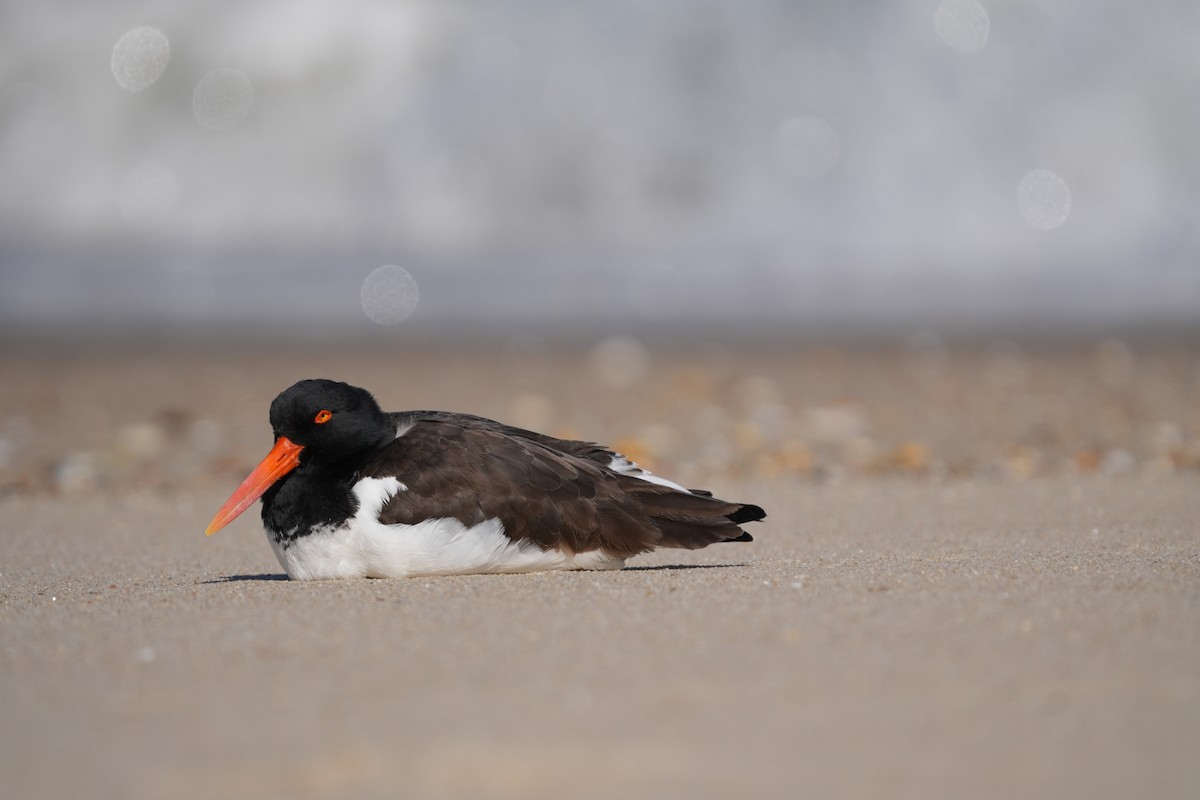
<point x="282" y="459"/>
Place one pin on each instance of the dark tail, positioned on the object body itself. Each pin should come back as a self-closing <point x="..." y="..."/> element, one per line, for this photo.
<point x="695" y="520"/>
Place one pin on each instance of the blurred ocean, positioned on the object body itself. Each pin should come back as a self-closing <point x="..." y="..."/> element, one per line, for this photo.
<point x="546" y="167"/>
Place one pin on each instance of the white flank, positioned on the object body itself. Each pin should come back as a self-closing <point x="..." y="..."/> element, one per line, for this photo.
<point x="363" y="547"/>
<point x="623" y="465"/>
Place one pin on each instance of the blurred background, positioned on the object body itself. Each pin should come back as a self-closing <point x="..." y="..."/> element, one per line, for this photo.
<point x="421" y="170"/>
<point x="920" y="277"/>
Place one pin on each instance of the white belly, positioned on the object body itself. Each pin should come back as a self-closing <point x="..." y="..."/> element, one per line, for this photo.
<point x="365" y="548"/>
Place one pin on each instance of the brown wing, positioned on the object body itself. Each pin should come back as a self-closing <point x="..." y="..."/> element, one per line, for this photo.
<point x="476" y="472"/>
<point x="591" y="451"/>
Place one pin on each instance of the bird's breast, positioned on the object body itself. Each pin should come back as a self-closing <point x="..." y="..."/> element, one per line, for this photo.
<point x="364" y="547"/>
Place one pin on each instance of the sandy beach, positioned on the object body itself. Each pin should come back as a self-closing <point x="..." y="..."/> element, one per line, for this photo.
<point x="979" y="577"/>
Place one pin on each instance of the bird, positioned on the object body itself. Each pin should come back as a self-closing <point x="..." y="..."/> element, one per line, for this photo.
<point x="351" y="491"/>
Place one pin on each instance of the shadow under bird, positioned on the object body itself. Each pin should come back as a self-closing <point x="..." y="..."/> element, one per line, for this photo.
<point x="351" y="491"/>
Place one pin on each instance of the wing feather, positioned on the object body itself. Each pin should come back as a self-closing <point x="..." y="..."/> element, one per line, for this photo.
<point x="554" y="492"/>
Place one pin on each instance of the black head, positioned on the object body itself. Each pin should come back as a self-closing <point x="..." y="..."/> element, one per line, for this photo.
<point x="321" y="425"/>
<point x="332" y="421"/>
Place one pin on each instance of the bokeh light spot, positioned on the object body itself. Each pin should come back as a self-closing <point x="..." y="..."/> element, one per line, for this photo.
<point x="140" y="57"/>
<point x="962" y="24"/>
<point x="807" y="146"/>
<point x="389" y="295"/>
<point x="1044" y="199"/>
<point x="223" y="99"/>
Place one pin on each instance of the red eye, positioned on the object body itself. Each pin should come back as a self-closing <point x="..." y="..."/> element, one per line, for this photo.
<point x="323" y="416"/>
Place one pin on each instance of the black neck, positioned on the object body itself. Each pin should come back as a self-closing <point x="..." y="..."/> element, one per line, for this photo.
<point x="313" y="496"/>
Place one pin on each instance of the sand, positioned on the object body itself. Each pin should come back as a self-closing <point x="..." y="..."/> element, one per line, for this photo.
<point x="929" y="615"/>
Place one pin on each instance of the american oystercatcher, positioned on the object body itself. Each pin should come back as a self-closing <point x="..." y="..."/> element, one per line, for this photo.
<point x="350" y="491"/>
